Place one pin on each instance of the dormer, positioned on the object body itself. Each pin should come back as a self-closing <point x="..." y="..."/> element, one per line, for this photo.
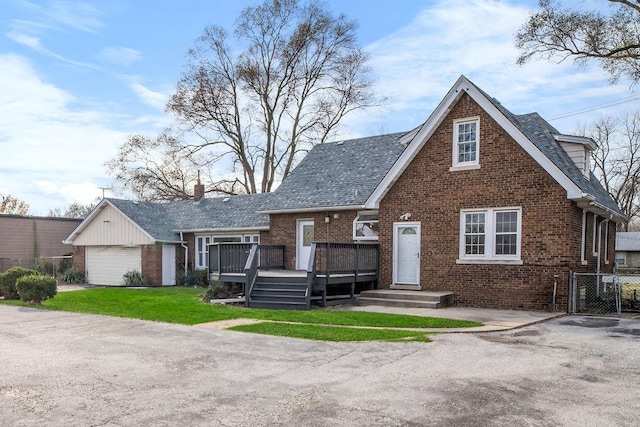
<point x="579" y="149"/>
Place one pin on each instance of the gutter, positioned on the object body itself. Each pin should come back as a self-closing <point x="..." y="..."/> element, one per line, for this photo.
<point x="225" y="230"/>
<point x="589" y="203"/>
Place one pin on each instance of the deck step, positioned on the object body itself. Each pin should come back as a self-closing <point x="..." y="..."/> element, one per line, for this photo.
<point x="410" y="299"/>
<point x="278" y="305"/>
<point x="282" y="280"/>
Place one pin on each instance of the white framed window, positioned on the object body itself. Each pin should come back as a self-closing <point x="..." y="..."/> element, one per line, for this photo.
<point x="466" y="143"/>
<point x="365" y="226"/>
<point x="488" y="235"/>
<point x="621" y="259"/>
<point x="202" y="252"/>
<point x="251" y="238"/>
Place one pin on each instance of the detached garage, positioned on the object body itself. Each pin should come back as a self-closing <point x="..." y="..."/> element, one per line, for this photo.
<point x="120" y="236"/>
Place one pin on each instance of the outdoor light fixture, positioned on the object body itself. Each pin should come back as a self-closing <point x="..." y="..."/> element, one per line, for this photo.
<point x="405" y="217"/>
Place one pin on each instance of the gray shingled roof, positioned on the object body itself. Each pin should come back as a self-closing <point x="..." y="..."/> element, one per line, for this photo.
<point x="628" y="241"/>
<point x="164" y="220"/>
<point x="342" y="173"/>
<point x="540" y="132"/>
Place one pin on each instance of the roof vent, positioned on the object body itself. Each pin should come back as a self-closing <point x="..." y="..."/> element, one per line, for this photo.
<point x="339" y="142"/>
<point x="225" y="200"/>
<point x="135" y="202"/>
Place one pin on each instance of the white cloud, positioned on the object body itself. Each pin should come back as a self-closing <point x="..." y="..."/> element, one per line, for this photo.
<point x="153" y="99"/>
<point x="45" y="139"/>
<point x="119" y="55"/>
<point x="416" y="65"/>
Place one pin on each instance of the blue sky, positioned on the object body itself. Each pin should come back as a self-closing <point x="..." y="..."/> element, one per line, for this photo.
<point x="77" y="77"/>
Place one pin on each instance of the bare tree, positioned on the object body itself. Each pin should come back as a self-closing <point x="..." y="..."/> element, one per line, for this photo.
<point x="613" y="39"/>
<point x="283" y="83"/>
<point x="13" y="205"/>
<point x="154" y="169"/>
<point x="74" y="210"/>
<point x="616" y="161"/>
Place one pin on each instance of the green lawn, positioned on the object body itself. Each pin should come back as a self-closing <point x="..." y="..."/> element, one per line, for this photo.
<point x="183" y="305"/>
<point x="332" y="333"/>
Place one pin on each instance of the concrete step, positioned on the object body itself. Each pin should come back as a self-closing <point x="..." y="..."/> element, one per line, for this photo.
<point x="386" y="302"/>
<point x="404" y="298"/>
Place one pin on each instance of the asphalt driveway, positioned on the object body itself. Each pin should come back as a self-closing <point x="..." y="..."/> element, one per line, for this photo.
<point x="62" y="369"/>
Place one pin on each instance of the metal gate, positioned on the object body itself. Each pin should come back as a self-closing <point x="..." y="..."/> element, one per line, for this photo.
<point x="593" y="293"/>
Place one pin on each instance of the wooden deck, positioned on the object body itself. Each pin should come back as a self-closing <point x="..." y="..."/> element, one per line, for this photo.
<point x="333" y="268"/>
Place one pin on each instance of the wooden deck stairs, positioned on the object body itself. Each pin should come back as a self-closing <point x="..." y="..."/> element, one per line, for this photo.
<point x="280" y="293"/>
<point x="409" y="299"/>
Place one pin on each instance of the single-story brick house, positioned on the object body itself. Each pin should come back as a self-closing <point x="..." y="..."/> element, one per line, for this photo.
<point x="24" y="239"/>
<point x="476" y="200"/>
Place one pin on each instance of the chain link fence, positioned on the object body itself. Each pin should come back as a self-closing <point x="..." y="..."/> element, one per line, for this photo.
<point x="54" y="266"/>
<point x="630" y="289"/>
<point x="593" y="293"/>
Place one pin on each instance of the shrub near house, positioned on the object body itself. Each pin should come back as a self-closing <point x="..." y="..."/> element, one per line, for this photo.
<point x="9" y="278"/>
<point x="36" y="288"/>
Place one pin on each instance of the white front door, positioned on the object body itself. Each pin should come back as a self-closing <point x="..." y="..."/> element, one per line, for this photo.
<point x="406" y="253"/>
<point x="304" y="238"/>
<point x="168" y="265"/>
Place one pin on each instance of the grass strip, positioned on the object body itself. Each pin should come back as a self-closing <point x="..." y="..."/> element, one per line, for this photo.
<point x="331" y="333"/>
<point x="183" y="305"/>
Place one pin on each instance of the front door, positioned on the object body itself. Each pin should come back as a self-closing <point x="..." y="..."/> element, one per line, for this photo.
<point x="406" y="253"/>
<point x="303" y="243"/>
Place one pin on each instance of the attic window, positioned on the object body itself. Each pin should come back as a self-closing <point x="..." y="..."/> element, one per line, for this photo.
<point x="365" y="226"/>
<point x="466" y="143"/>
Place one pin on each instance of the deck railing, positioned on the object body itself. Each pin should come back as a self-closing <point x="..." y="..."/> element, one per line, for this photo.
<point x="346" y="258"/>
<point x="231" y="258"/>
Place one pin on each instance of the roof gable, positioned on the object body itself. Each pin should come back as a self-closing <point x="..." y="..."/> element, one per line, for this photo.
<point x="530" y="131"/>
<point x="108" y="225"/>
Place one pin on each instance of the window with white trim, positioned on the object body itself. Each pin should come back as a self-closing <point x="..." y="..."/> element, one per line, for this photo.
<point x="365" y="226"/>
<point x="466" y="143"/>
<point x="621" y="259"/>
<point x="202" y="252"/>
<point x="490" y="234"/>
<point x="251" y="238"/>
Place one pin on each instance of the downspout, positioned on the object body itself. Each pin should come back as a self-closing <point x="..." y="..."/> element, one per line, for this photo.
<point x="606" y="221"/>
<point x="186" y="254"/>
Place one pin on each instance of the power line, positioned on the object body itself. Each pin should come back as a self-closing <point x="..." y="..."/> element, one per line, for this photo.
<point x="595" y="107"/>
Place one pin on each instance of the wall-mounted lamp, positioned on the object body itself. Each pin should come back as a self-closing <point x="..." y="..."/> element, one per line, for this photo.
<point x="327" y="218"/>
<point x="405" y="217"/>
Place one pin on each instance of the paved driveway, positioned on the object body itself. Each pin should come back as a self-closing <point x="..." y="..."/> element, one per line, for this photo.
<point x="64" y="369"/>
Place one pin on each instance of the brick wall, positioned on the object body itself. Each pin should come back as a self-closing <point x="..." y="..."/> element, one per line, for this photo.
<point x="508" y="177"/>
<point x="79" y="259"/>
<point x="152" y="264"/>
<point x="283" y="228"/>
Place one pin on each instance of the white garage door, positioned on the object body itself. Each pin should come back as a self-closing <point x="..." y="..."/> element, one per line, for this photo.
<point x="107" y="264"/>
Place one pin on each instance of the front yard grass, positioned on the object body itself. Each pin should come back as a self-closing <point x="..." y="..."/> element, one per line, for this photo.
<point x="183" y="305"/>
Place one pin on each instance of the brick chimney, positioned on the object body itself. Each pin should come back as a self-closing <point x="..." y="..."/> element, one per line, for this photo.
<point x="198" y="190"/>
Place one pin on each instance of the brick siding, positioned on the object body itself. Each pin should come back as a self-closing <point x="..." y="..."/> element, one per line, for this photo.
<point x="152" y="264"/>
<point x="283" y="229"/>
<point x="508" y="177"/>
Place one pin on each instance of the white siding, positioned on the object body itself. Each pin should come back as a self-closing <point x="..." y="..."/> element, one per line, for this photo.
<point x="107" y="264"/>
<point x="576" y="152"/>
<point x="110" y="227"/>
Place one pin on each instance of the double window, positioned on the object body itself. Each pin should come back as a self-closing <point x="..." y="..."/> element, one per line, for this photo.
<point x="490" y="234"/>
<point x="466" y="143"/>
<point x="202" y="242"/>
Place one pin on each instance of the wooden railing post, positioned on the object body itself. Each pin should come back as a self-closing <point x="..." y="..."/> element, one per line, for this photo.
<point x="311" y="275"/>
